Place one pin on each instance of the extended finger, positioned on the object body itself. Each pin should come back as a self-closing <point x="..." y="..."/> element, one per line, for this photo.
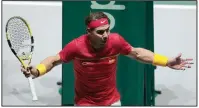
<point x="187" y="59"/>
<point x="186" y="66"/>
<point x="186" y="62"/>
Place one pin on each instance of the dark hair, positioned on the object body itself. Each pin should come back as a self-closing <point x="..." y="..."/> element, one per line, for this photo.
<point x="95" y="16"/>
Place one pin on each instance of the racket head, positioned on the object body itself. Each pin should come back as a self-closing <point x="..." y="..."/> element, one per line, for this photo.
<point x="20" y="39"/>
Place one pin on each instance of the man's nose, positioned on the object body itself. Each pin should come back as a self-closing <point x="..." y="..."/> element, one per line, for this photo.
<point x="105" y="35"/>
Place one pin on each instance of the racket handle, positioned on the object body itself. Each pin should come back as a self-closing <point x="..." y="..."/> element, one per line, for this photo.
<point x="32" y="87"/>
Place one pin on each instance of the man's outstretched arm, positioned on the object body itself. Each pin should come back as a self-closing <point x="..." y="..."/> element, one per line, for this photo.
<point x="65" y="55"/>
<point x="147" y="56"/>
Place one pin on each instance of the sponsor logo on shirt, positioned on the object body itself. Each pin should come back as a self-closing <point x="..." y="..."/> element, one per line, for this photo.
<point x="100" y="62"/>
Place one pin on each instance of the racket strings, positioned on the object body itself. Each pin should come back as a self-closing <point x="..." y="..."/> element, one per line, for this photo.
<point x="19" y="35"/>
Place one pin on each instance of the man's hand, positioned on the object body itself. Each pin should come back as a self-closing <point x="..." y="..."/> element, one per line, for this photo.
<point x="49" y="63"/>
<point x="178" y="63"/>
<point x="30" y="71"/>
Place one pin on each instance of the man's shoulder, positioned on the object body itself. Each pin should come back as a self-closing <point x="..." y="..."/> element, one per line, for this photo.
<point x="80" y="41"/>
<point x="114" y="37"/>
<point x="81" y="38"/>
<point x="114" y="34"/>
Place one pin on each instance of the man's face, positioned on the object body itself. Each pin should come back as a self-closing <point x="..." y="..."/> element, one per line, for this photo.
<point x="100" y="35"/>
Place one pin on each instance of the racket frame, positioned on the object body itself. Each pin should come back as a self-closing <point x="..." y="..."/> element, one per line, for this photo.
<point x="30" y="80"/>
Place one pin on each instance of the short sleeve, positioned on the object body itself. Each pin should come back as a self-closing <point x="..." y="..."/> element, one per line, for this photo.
<point x="125" y="47"/>
<point x="68" y="52"/>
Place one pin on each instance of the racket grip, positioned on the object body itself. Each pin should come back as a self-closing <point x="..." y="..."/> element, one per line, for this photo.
<point x="32" y="87"/>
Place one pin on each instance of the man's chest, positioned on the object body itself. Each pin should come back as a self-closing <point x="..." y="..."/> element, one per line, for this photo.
<point x="87" y="52"/>
<point x="97" y="64"/>
<point x="96" y="61"/>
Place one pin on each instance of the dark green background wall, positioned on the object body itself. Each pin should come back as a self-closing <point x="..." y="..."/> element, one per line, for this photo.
<point x="135" y="81"/>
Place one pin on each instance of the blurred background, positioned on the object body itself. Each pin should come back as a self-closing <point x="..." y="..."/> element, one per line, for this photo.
<point x="175" y="26"/>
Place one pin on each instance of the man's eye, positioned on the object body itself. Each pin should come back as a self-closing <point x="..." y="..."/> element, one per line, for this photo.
<point x="100" y="31"/>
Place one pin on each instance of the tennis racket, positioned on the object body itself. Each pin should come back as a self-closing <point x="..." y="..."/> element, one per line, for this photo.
<point x="21" y="43"/>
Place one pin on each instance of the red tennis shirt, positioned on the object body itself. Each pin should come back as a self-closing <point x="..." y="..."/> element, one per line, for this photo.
<point x="95" y="72"/>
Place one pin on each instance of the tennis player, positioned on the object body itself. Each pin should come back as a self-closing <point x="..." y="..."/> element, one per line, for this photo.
<point x="95" y="56"/>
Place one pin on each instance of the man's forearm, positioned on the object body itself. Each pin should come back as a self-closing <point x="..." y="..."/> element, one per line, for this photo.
<point x="143" y="55"/>
<point x="47" y="64"/>
<point x="147" y="56"/>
